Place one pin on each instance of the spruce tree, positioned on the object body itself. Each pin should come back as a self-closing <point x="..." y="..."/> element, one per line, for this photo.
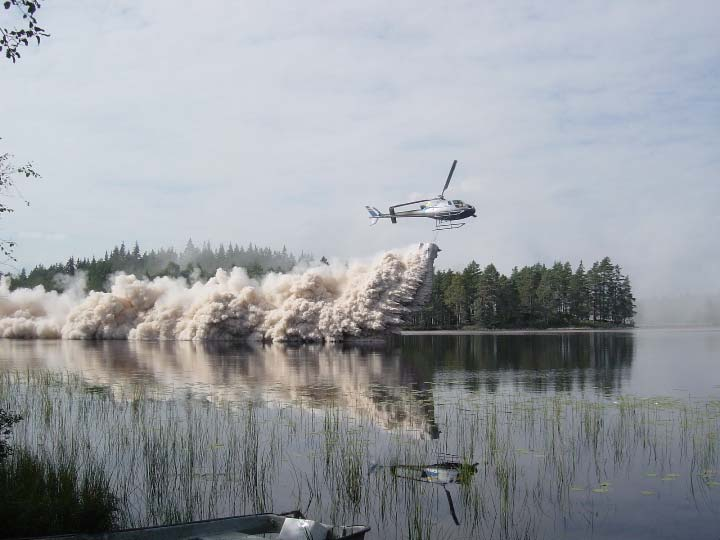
<point x="69" y="267"/>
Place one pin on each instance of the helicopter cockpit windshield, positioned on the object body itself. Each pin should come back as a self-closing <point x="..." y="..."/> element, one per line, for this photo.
<point x="458" y="203"/>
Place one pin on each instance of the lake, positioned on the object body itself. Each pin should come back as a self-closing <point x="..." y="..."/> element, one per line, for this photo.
<point x="506" y="435"/>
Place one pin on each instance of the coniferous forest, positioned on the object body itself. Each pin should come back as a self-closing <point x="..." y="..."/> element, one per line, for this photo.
<point x="532" y="297"/>
<point x="197" y="262"/>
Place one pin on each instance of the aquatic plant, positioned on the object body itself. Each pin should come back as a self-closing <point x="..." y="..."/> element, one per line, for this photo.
<point x="40" y="496"/>
<point x="543" y="461"/>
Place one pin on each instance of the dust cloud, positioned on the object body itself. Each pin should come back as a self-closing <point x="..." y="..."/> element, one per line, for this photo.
<point x="321" y="303"/>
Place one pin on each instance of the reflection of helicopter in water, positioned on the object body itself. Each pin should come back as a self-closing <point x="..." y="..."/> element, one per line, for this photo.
<point x="448" y="472"/>
<point x="444" y="212"/>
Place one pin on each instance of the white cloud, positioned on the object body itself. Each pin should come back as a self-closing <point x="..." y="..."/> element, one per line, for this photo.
<point x="40" y="235"/>
<point x="581" y="129"/>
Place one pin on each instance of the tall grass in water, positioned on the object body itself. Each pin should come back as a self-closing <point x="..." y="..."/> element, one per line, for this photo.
<point x="544" y="461"/>
<point x="40" y="497"/>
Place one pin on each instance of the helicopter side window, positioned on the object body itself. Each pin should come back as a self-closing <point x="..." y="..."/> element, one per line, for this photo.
<point x="458" y="203"/>
<point x="450" y="203"/>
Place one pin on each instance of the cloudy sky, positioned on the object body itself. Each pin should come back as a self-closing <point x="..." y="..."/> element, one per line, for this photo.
<point x="582" y="129"/>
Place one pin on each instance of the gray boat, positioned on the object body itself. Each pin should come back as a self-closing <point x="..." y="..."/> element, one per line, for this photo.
<point x="290" y="526"/>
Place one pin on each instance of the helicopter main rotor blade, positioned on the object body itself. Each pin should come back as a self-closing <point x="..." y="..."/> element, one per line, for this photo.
<point x="447" y="182"/>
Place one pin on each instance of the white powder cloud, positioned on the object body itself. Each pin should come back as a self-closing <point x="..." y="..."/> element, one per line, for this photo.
<point x="324" y="303"/>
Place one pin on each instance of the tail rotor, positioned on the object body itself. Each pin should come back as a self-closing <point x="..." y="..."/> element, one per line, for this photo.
<point x="374" y="214"/>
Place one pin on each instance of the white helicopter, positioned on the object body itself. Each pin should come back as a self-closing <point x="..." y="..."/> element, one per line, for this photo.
<point x="443" y="211"/>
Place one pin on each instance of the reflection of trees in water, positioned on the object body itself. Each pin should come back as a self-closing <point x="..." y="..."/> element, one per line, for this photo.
<point x="395" y="384"/>
<point x="535" y="362"/>
<point x="371" y="380"/>
<point x="370" y="377"/>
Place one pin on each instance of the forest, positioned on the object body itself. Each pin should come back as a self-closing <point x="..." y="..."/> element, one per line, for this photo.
<point x="532" y="297"/>
<point x="196" y="262"/>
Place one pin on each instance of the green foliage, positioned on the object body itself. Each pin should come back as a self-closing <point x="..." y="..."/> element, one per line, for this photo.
<point x="532" y="297"/>
<point x="40" y="497"/>
<point x="488" y="301"/>
<point x="7" y="419"/>
<point x="191" y="263"/>
<point x="12" y="39"/>
<point x="9" y="172"/>
<point x="455" y="297"/>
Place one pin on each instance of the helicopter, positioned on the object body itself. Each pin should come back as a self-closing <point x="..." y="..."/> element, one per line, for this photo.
<point x="452" y="471"/>
<point x="444" y="212"/>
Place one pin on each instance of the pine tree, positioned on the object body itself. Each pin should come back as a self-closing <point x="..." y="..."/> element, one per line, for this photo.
<point x="595" y="290"/>
<point x="626" y="304"/>
<point x="454" y="297"/>
<point x="565" y="276"/>
<point x="578" y="295"/>
<point x="546" y="296"/>
<point x="607" y="275"/>
<point x="488" y="295"/>
<point x="526" y="282"/>
<point x="471" y="276"/>
<point x="508" y="304"/>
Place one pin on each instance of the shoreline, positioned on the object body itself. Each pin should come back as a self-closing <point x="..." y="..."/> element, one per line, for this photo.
<point x="511" y="331"/>
<point x="527" y="331"/>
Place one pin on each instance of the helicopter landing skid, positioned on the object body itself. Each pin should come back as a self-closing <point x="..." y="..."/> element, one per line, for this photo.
<point x="441" y="225"/>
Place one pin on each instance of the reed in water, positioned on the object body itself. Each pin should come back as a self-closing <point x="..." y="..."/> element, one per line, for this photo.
<point x="538" y="459"/>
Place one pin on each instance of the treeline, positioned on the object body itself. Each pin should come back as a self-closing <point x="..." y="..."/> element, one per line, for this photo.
<point x="199" y="262"/>
<point x="532" y="297"/>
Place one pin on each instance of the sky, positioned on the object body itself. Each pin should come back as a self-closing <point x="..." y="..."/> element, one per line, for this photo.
<point x="582" y="129"/>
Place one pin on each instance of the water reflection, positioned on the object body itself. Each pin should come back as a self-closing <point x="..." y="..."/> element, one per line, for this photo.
<point x="396" y="384"/>
<point x="439" y="474"/>
<point x="371" y="381"/>
<point x="535" y="362"/>
<point x="548" y="466"/>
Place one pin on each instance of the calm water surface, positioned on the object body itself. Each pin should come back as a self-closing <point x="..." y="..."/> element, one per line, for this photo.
<point x="588" y="434"/>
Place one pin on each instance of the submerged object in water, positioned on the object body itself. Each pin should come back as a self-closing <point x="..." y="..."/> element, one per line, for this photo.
<point x="441" y="474"/>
